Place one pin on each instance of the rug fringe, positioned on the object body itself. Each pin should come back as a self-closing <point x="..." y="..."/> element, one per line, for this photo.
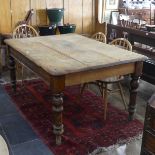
<point x="103" y="149"/>
<point x="120" y="142"/>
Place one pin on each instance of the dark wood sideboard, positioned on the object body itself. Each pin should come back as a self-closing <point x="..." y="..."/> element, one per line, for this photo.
<point x="137" y="36"/>
<point x="148" y="140"/>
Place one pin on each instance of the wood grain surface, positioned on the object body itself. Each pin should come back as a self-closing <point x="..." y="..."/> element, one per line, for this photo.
<point x="64" y="54"/>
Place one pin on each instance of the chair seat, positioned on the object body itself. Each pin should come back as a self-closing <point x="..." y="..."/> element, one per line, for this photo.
<point x="103" y="84"/>
<point x="113" y="79"/>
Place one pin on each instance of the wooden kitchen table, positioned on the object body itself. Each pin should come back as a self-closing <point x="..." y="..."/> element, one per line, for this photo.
<point x="70" y="59"/>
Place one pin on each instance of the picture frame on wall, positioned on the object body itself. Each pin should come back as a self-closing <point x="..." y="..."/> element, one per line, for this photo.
<point x="112" y="4"/>
<point x="114" y="17"/>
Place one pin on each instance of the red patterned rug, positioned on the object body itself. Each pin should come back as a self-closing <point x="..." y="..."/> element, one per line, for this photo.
<point x="85" y="130"/>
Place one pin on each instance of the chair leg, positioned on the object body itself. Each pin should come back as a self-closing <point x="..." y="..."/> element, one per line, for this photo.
<point x="100" y="86"/>
<point x="105" y="101"/>
<point x="122" y="95"/>
<point x="83" y="88"/>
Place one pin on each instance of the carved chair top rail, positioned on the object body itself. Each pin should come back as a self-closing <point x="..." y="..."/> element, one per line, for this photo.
<point x="24" y="31"/>
<point x="99" y="36"/>
<point x="122" y="42"/>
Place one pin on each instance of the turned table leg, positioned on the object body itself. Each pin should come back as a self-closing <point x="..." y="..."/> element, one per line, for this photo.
<point x="133" y="89"/>
<point x="12" y="72"/>
<point x="57" y="102"/>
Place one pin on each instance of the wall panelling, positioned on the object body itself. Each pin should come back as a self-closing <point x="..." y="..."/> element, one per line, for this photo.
<point x="79" y="12"/>
<point x="5" y="16"/>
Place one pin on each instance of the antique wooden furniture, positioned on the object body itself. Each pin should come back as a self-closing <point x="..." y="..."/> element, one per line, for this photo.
<point x="134" y="35"/>
<point x="70" y="59"/>
<point x="122" y="43"/>
<point x="99" y="36"/>
<point x="23" y="31"/>
<point x="148" y="140"/>
<point x="140" y="36"/>
<point x="103" y="84"/>
<point x="26" y="20"/>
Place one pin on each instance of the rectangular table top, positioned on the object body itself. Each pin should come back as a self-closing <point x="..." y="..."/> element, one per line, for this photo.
<point x="70" y="53"/>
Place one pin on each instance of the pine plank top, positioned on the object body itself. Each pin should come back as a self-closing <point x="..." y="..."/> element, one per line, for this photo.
<point x="69" y="53"/>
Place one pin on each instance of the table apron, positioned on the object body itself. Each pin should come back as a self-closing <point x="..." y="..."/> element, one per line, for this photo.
<point x="74" y="78"/>
<point x="87" y="76"/>
<point x="32" y="66"/>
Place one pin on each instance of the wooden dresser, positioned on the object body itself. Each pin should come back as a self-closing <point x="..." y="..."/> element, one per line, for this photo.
<point x="148" y="141"/>
<point x="137" y="36"/>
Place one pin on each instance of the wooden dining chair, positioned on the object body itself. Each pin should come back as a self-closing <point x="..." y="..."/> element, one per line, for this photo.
<point x="122" y="43"/>
<point x="23" y="31"/>
<point x="101" y="37"/>
<point x="104" y="84"/>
